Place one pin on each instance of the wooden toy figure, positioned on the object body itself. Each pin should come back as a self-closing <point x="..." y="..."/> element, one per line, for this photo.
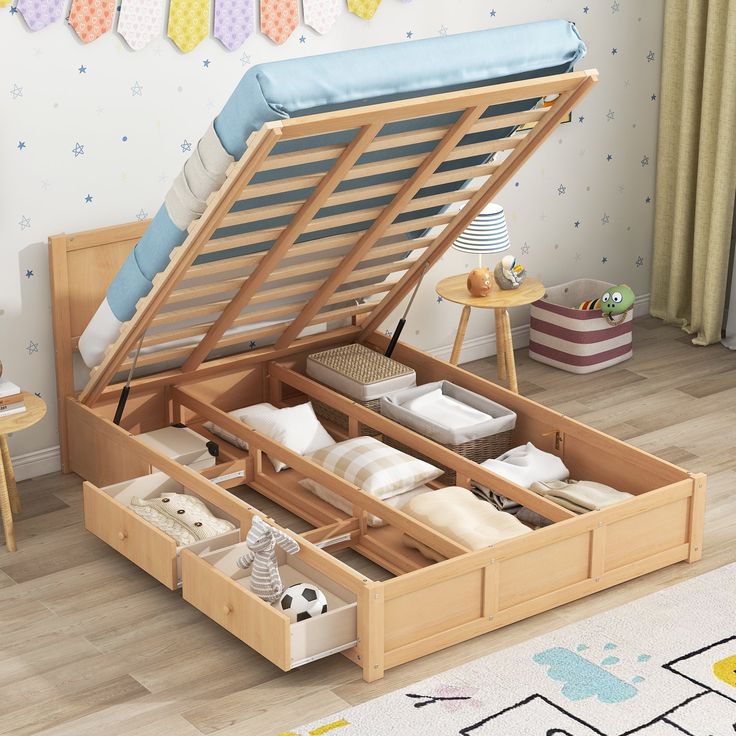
<point x="262" y="539"/>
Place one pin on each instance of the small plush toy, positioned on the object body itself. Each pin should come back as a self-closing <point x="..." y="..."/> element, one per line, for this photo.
<point x="614" y="304"/>
<point x="479" y="281"/>
<point x="262" y="539"/>
<point x="302" y="601"/>
<point x="508" y="273"/>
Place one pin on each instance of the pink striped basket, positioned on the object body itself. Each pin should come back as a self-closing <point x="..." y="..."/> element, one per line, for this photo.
<point x="575" y="340"/>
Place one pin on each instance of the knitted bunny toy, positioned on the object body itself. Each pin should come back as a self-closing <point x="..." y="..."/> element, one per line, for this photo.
<point x="262" y="539"/>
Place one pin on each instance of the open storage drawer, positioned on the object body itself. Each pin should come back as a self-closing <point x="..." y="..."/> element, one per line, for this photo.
<point x="107" y="514"/>
<point x="215" y="584"/>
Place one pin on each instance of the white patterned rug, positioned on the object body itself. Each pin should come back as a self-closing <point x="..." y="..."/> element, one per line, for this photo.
<point x="664" y="665"/>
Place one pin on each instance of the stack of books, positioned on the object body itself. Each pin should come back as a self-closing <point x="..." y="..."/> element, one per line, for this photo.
<point x="11" y="398"/>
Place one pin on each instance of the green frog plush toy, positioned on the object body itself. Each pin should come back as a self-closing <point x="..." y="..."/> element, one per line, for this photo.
<point x="614" y="304"/>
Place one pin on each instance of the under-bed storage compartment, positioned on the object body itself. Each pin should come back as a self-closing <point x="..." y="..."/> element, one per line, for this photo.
<point x="108" y="515"/>
<point x="215" y="584"/>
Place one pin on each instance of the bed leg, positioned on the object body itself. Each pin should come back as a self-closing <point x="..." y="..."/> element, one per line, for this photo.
<point x="371" y="631"/>
<point x="697" y="516"/>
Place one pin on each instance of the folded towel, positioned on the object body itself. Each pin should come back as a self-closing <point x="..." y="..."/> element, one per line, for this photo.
<point x="580" y="496"/>
<point x="445" y="411"/>
<point x="526" y="464"/>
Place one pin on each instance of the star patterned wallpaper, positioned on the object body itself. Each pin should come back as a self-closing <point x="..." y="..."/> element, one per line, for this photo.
<point x="93" y="135"/>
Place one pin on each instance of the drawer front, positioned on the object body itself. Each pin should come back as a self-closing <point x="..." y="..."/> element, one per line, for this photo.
<point x="146" y="546"/>
<point x="236" y="609"/>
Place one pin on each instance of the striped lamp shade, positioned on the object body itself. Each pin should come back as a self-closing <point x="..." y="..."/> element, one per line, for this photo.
<point x="486" y="234"/>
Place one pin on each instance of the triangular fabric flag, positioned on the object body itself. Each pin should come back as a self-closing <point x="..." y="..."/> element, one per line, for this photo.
<point x="364" y="9"/>
<point x="91" y="19"/>
<point x="40" y="13"/>
<point x="234" y="22"/>
<point x="140" y="21"/>
<point x="279" y="19"/>
<point x="321" y="14"/>
<point x="189" y="23"/>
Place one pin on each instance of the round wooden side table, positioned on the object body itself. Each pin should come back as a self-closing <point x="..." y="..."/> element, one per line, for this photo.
<point x="9" y="499"/>
<point x="454" y="289"/>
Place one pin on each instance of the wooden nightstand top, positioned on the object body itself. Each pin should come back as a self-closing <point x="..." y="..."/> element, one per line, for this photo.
<point x="454" y="289"/>
<point x="35" y="411"/>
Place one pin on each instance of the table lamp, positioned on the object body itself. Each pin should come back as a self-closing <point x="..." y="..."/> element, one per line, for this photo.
<point x="486" y="234"/>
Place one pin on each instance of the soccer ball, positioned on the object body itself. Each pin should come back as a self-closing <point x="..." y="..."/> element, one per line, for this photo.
<point x="302" y="601"/>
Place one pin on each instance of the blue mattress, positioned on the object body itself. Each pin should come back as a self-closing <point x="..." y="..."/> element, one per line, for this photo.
<point x="298" y="87"/>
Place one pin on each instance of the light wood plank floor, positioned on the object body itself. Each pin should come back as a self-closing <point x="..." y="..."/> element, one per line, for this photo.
<point x="91" y="645"/>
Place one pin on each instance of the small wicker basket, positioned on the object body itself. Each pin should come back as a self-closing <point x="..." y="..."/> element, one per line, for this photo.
<point x="361" y="374"/>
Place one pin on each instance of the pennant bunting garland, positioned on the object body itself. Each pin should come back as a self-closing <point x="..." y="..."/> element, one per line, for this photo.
<point x="364" y="9"/>
<point x="140" y="21"/>
<point x="40" y="13"/>
<point x="234" y="22"/>
<point x="91" y="19"/>
<point x="279" y="19"/>
<point x="321" y="14"/>
<point x="189" y="23"/>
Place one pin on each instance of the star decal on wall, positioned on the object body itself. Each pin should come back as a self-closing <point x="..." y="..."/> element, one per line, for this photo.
<point x="29" y="273"/>
<point x="206" y="63"/>
<point x="581" y="118"/>
<point x="13" y="10"/>
<point x="653" y="97"/>
<point x="142" y="215"/>
<point x="562" y="189"/>
<point x="82" y="69"/>
<point x="647" y="200"/>
<point x="136" y="90"/>
<point x="25" y="222"/>
<point x="609" y="157"/>
<point x="443" y="30"/>
<point x="614" y="51"/>
<point x="186" y="146"/>
<point x="577" y="224"/>
<point x="245" y="59"/>
<point x="605" y="219"/>
<point x="586" y="10"/>
<point x="409" y="34"/>
<point x="639" y="262"/>
<point x="439" y="299"/>
<point x="21" y="145"/>
<point x="493" y="13"/>
<point x="302" y="39"/>
<point x="88" y="198"/>
<point x="78" y="150"/>
<point x="45" y="184"/>
<point x="616" y="7"/>
<point x="16" y="92"/>
<point x="645" y="160"/>
<point x="604" y="259"/>
<point x="525" y="249"/>
<point x="32" y="347"/>
<point x="610" y="115"/>
<point x="650" y="56"/>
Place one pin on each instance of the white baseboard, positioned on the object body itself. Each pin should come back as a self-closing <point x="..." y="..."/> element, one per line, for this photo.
<point x="485" y="345"/>
<point x="39" y="462"/>
<point x="42" y="462"/>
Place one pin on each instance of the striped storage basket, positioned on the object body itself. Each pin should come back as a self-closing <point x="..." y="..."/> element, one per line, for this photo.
<point x="575" y="340"/>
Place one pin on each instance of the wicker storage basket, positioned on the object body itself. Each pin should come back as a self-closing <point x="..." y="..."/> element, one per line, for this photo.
<point x="477" y="441"/>
<point x="359" y="373"/>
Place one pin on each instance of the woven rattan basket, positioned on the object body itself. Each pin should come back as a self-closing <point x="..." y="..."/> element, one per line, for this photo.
<point x="361" y="374"/>
<point x="478" y="451"/>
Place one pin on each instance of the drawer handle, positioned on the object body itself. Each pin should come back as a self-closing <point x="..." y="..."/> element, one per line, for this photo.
<point x="122" y="536"/>
<point x="228" y="609"/>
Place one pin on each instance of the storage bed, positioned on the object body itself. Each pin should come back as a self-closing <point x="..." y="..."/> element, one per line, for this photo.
<point x="337" y="283"/>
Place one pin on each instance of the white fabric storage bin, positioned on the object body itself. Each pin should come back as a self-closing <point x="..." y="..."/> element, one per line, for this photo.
<point x="577" y="340"/>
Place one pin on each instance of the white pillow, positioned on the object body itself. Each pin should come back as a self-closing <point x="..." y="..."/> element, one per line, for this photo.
<point x="295" y="427"/>
<point x="376" y="468"/>
<point x="343" y="504"/>
<point x="245" y="414"/>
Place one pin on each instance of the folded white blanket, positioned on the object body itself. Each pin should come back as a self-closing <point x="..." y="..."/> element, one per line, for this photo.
<point x="526" y="464"/>
<point x="580" y="496"/>
<point x="445" y="410"/>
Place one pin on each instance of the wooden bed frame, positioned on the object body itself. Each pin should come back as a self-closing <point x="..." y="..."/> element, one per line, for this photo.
<point x="377" y="625"/>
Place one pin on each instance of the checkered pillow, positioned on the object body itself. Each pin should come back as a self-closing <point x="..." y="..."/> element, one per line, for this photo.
<point x="378" y="469"/>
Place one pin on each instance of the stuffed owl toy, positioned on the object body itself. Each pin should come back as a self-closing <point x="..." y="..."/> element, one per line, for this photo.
<point x="508" y="273"/>
<point x="184" y="518"/>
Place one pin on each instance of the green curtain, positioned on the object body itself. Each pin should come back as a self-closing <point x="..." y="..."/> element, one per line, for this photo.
<point x="696" y="166"/>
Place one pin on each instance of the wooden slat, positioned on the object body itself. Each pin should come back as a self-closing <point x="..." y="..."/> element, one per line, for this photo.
<point x="532" y="141"/>
<point x="259" y="146"/>
<point x="289" y="236"/>
<point x="535" y="88"/>
<point x="382" y="223"/>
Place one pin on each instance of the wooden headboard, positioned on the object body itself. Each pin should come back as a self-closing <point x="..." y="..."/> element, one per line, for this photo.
<point x="81" y="267"/>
